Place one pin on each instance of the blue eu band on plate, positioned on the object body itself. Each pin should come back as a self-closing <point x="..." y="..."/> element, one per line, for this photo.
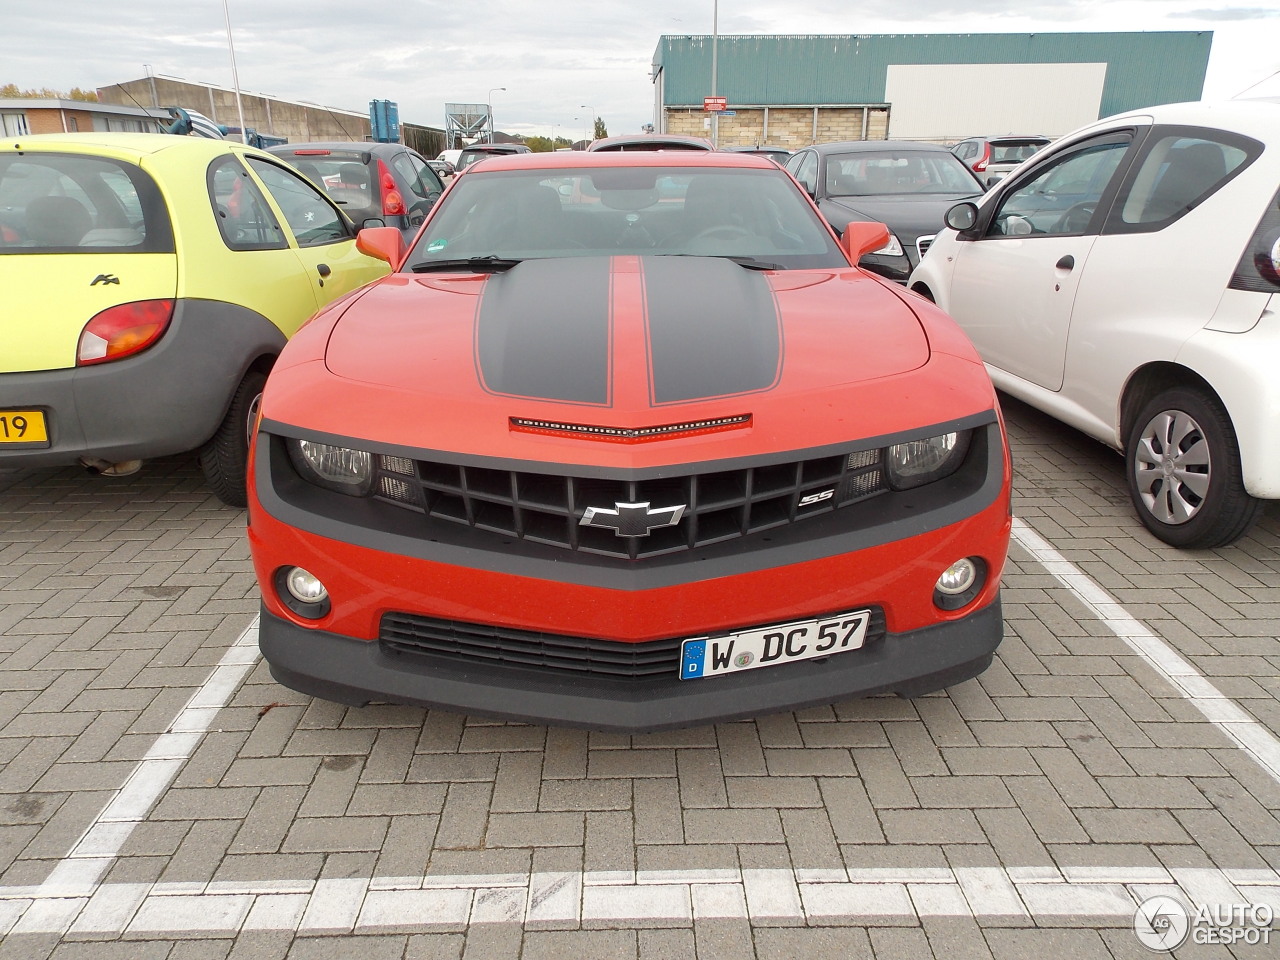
<point x="767" y="646"/>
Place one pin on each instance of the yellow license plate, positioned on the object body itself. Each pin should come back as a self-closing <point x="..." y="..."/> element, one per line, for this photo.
<point x="23" y="426"/>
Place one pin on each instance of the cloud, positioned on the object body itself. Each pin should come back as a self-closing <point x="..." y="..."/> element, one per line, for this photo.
<point x="551" y="58"/>
<point x="1228" y="13"/>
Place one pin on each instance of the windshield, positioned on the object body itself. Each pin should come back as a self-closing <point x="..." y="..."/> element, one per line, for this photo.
<point x="894" y="173"/>
<point x="757" y="217"/>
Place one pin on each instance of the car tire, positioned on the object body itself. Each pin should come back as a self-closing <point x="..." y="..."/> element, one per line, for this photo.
<point x="1182" y="464"/>
<point x="225" y="457"/>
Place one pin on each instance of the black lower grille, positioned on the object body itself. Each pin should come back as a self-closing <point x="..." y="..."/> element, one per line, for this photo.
<point x="480" y="644"/>
<point x="550" y="508"/>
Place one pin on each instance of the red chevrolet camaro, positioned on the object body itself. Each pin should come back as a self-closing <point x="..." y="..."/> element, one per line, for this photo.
<point x="627" y="441"/>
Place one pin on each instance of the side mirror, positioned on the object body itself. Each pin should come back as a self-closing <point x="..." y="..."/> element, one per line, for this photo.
<point x="863" y="236"/>
<point x="963" y="216"/>
<point x="381" y="243"/>
<point x="992" y="180"/>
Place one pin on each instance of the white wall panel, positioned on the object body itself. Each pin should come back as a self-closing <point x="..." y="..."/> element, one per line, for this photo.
<point x="956" y="100"/>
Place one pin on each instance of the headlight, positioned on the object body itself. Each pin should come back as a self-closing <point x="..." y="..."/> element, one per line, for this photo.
<point x="891" y="249"/>
<point x="334" y="468"/>
<point x="917" y="462"/>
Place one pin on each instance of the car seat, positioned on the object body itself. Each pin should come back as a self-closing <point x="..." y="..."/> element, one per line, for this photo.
<point x="57" y="222"/>
<point x="354" y="176"/>
<point x="523" y="217"/>
<point x="711" y="202"/>
<point x="1192" y="171"/>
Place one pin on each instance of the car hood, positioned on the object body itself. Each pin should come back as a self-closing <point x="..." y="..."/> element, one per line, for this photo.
<point x="621" y="349"/>
<point x="907" y="215"/>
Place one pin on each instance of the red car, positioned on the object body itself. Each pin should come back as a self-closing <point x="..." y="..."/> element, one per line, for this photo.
<point x="627" y="441"/>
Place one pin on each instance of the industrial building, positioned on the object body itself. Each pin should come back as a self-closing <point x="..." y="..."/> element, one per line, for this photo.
<point x="791" y="91"/>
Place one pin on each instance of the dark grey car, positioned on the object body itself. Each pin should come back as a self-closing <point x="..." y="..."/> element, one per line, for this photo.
<point x="369" y="181"/>
<point x="907" y="186"/>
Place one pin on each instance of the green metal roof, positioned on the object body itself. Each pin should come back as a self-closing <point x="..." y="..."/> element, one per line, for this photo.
<point x="1143" y="68"/>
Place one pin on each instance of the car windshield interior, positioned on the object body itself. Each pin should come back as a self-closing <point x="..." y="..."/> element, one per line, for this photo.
<point x="755" y="216"/>
<point x="891" y="174"/>
<point x="1014" y="151"/>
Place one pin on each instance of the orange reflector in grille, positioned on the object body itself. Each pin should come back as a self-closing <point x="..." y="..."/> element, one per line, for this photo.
<point x="664" y="431"/>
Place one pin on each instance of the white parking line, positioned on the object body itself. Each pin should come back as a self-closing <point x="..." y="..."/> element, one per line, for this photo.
<point x="571" y="900"/>
<point x="74" y="901"/>
<point x="1216" y="707"/>
<point x="77" y="875"/>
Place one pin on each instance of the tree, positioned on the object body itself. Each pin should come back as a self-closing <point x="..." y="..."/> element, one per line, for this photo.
<point x="546" y="144"/>
<point x="601" y="130"/>
<point x="10" y="90"/>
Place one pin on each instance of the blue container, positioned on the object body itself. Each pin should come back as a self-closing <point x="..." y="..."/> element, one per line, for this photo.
<point x="384" y="121"/>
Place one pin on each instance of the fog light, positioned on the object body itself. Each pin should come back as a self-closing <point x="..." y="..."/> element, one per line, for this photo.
<point x="306" y="588"/>
<point x="958" y="577"/>
<point x="302" y="592"/>
<point x="960" y="583"/>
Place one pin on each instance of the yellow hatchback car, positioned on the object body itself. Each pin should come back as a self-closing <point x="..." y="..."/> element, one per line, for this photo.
<point x="150" y="282"/>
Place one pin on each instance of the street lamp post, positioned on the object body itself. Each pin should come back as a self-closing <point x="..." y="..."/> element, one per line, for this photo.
<point x="592" y="119"/>
<point x="235" y="76"/>
<point x="489" y="106"/>
<point x="715" y="43"/>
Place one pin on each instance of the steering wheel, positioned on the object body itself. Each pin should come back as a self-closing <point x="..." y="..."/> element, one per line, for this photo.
<point x="723" y="232"/>
<point x="1076" y="217"/>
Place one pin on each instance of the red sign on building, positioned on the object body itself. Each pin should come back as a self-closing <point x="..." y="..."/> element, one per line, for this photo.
<point x="715" y="103"/>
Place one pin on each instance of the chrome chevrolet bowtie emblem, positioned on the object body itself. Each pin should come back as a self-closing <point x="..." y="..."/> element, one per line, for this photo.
<point x="632" y="519"/>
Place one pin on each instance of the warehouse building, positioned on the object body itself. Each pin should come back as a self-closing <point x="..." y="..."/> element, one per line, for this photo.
<point x="791" y="91"/>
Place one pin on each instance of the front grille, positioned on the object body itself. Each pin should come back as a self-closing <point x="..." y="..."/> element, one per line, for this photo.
<point x="549" y="508"/>
<point x="480" y="644"/>
<point x="923" y="244"/>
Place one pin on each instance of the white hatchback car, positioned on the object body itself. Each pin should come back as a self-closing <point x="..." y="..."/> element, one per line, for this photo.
<point x="1127" y="281"/>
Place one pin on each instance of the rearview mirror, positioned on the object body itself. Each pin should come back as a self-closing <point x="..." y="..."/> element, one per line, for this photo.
<point x="381" y="243"/>
<point x="962" y="216"/>
<point x="863" y="236"/>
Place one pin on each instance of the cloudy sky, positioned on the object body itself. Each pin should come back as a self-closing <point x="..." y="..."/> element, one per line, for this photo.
<point x="552" y="57"/>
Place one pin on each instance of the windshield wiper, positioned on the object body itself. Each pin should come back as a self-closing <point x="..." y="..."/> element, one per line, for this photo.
<point x="474" y="264"/>
<point x="751" y="263"/>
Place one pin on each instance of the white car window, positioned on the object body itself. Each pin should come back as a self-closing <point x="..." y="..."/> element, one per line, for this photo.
<point x="1062" y="197"/>
<point x="1176" y="175"/>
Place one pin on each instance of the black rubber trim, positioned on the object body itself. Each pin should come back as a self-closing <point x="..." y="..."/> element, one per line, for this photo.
<point x="357" y="672"/>
<point x="883" y="519"/>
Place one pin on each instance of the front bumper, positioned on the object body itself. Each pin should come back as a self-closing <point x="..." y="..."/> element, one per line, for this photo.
<point x="356" y="672"/>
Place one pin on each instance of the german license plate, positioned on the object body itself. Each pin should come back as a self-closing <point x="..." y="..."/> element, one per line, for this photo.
<point x="23" y="426"/>
<point x="770" y="646"/>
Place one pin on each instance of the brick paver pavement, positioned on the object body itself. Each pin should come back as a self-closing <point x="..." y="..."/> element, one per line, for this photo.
<point x="1023" y="812"/>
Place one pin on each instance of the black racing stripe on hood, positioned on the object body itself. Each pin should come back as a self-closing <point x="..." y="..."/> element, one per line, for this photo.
<point x="543" y="330"/>
<point x="713" y="328"/>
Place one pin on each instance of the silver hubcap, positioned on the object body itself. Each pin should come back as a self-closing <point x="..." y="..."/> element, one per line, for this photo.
<point x="1171" y="467"/>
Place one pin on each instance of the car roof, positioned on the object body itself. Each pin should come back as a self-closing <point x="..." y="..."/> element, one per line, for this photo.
<point x="133" y="146"/>
<point x="651" y="141"/>
<point x="692" y="159"/>
<point x="495" y="148"/>
<point x="878" y="146"/>
<point x="337" y="146"/>
<point x="1257" y="115"/>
